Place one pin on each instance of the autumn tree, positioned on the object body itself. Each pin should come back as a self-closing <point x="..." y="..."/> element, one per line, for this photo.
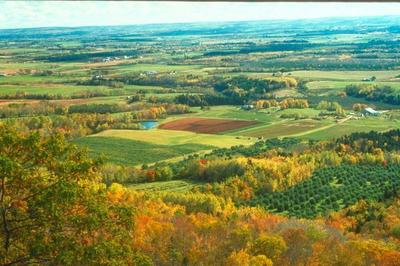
<point x="270" y="246"/>
<point x="53" y="208"/>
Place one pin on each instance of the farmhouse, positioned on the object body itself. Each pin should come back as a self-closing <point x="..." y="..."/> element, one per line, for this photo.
<point x="369" y="111"/>
<point x="247" y="107"/>
<point x="373" y="78"/>
<point x="151" y="72"/>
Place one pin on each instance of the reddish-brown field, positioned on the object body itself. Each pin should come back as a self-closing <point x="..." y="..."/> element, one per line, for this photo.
<point x="7" y="102"/>
<point x="64" y="102"/>
<point x="206" y="125"/>
<point x="9" y="71"/>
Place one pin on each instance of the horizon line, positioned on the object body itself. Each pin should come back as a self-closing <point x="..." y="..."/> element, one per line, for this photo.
<point x="196" y="22"/>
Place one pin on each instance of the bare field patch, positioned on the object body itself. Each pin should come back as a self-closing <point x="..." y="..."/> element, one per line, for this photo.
<point x="206" y="125"/>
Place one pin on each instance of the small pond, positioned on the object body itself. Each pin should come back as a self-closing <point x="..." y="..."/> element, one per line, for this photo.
<point x="148" y="124"/>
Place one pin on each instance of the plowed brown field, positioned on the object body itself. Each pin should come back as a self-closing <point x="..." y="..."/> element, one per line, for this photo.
<point x="206" y="125"/>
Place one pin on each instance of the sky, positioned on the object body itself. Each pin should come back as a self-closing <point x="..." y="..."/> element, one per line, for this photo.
<point x="28" y="14"/>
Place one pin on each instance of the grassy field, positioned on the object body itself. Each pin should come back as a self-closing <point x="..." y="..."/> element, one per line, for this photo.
<point x="321" y="75"/>
<point x="67" y="102"/>
<point x="302" y="112"/>
<point x="52" y="89"/>
<point x="317" y="129"/>
<point x="350" y="126"/>
<point x="69" y="90"/>
<point x="25" y="80"/>
<point x="172" y="186"/>
<point x="134" y="147"/>
<point x="340" y="85"/>
<point x="230" y="112"/>
<point x="133" y="152"/>
<point x="345" y="75"/>
<point x="348" y="102"/>
<point x="286" y="128"/>
<point x="174" y="137"/>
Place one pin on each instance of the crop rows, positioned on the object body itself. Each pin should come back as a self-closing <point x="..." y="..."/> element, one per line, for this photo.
<point x="334" y="188"/>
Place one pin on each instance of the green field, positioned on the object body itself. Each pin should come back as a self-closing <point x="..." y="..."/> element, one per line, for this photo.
<point x="310" y="112"/>
<point x="52" y="89"/>
<point x="134" y="147"/>
<point x="345" y="75"/>
<point x="172" y="186"/>
<point x="350" y="126"/>
<point x="341" y="85"/>
<point x="348" y="102"/>
<point x="286" y="128"/>
<point x="175" y="137"/>
<point x="229" y="112"/>
<point x="133" y="152"/>
<point x="70" y="90"/>
<point x="320" y="129"/>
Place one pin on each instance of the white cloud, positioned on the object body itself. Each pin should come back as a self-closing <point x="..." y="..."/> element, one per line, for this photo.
<point x="19" y="14"/>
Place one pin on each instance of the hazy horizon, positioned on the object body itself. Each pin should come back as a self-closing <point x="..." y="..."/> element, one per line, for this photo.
<point x="24" y="14"/>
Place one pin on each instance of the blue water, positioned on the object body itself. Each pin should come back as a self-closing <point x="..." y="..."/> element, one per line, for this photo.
<point x="148" y="124"/>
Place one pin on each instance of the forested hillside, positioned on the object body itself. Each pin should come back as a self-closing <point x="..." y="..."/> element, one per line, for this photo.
<point x="55" y="209"/>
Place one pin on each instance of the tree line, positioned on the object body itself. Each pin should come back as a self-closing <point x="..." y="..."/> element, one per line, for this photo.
<point x="384" y="94"/>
